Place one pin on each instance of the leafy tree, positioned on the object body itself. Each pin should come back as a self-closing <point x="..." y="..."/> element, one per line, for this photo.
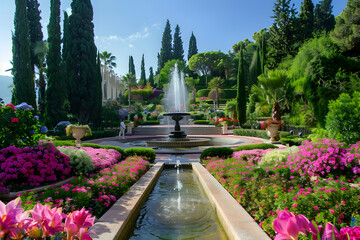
<point x="151" y="77"/>
<point x="178" y="53"/>
<point x="24" y="87"/>
<point x="306" y="20"/>
<point x="241" y="45"/>
<point x="81" y="61"/>
<point x="130" y="81"/>
<point x="346" y="33"/>
<point x="191" y="85"/>
<point x="108" y="60"/>
<point x="166" y="51"/>
<point x="215" y="85"/>
<point x="324" y="19"/>
<point x="165" y="73"/>
<point x="132" y="66"/>
<point x="282" y="32"/>
<point x="241" y="94"/>
<point x="142" y="81"/>
<point x="192" y="46"/>
<point x="56" y="90"/>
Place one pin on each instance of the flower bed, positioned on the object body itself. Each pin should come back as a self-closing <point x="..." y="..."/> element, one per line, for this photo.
<point x="266" y="189"/>
<point x="95" y="192"/>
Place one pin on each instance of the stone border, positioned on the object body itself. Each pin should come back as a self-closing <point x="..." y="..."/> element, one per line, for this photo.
<point x="117" y="221"/>
<point x="235" y="220"/>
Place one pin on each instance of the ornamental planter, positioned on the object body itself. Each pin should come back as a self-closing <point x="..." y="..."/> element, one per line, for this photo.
<point x="272" y="131"/>
<point x="78" y="132"/>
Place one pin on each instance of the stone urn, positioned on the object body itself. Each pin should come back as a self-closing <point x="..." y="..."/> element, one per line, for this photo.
<point x="78" y="132"/>
<point x="272" y="131"/>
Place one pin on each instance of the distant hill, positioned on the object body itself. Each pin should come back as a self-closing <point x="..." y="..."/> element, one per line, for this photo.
<point x="5" y="91"/>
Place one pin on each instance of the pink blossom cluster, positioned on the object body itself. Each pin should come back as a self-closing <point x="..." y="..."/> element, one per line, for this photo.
<point x="322" y="158"/>
<point x="43" y="222"/>
<point x="32" y="166"/>
<point x="353" y="157"/>
<point x="102" y="157"/>
<point x="254" y="155"/>
<point x="288" y="226"/>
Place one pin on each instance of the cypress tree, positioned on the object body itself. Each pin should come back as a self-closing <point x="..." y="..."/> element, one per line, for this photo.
<point x="241" y="94"/>
<point x="143" y="75"/>
<point x="306" y="20"/>
<point x="81" y="61"/>
<point x="98" y="95"/>
<point x="178" y="53"/>
<point x="324" y="19"/>
<point x="151" y="77"/>
<point x="23" y="74"/>
<point x="55" y="96"/>
<point x="65" y="49"/>
<point x="166" y="47"/>
<point x="192" y="46"/>
<point x="131" y="65"/>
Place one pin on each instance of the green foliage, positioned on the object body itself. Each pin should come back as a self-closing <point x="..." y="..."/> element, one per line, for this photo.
<point x="318" y="134"/>
<point x="292" y="140"/>
<point x="324" y="19"/>
<point x="166" y="47"/>
<point x="147" y="153"/>
<point x="178" y="51"/>
<point x="306" y="20"/>
<point x="107" y="59"/>
<point x="203" y="92"/>
<point x="151" y="77"/>
<point x="202" y="122"/>
<point x="80" y="161"/>
<point x="143" y="74"/>
<point x="56" y="92"/>
<point x="346" y="33"/>
<point x="278" y="155"/>
<point x="130" y="81"/>
<point x="192" y="46"/>
<point x="140" y="94"/>
<point x="251" y="133"/>
<point x="230" y="109"/>
<point x="343" y="119"/>
<point x="284" y="134"/>
<point x="221" y="152"/>
<point x="132" y="66"/>
<point x="167" y="69"/>
<point x="36" y="35"/>
<point x="255" y="146"/>
<point x="241" y="94"/>
<point x="23" y="74"/>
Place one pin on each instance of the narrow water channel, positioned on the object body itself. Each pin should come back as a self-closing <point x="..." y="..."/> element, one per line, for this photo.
<point x="177" y="209"/>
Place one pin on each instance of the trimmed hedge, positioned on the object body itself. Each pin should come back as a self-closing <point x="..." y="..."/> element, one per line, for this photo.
<point x="255" y="146"/>
<point x="199" y="116"/>
<point x="229" y="93"/>
<point x="144" y="152"/>
<point x="202" y="122"/>
<point x="221" y="152"/>
<point x="292" y="140"/>
<point x="95" y="135"/>
<point x="251" y="133"/>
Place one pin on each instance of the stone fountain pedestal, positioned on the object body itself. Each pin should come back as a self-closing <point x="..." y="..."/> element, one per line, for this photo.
<point x="177" y="134"/>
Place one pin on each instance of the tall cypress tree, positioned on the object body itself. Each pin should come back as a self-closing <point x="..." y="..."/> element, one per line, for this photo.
<point x="306" y="20"/>
<point x="151" y="77"/>
<point x="143" y="75"/>
<point x="166" y="47"/>
<point x="65" y="49"/>
<point x="178" y="52"/>
<point x="81" y="61"/>
<point x="192" y="46"/>
<point x="131" y="65"/>
<point x="324" y="19"/>
<point x="98" y="95"/>
<point x="56" y="90"/>
<point x="241" y="94"/>
<point x="23" y="74"/>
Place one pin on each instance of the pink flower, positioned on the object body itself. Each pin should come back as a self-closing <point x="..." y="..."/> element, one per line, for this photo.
<point x="294" y="205"/>
<point x="14" y="120"/>
<point x="316" y="207"/>
<point x="329" y="231"/>
<point x="354" y="233"/>
<point x="9" y="214"/>
<point x="82" y="218"/>
<point x="288" y="226"/>
<point x="331" y="211"/>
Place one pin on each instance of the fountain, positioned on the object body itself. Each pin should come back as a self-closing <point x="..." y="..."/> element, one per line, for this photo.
<point x="176" y="96"/>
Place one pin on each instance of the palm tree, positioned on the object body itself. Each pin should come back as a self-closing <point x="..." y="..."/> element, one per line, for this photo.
<point x="108" y="60"/>
<point x="215" y="85"/>
<point x="272" y="87"/>
<point x="130" y="81"/>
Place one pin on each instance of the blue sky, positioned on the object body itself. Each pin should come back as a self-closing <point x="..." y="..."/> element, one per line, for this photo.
<point x="135" y="27"/>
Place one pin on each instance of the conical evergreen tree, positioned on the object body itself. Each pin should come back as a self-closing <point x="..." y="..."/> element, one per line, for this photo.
<point x="55" y="93"/>
<point x="241" y="94"/>
<point x="66" y="41"/>
<point x="24" y="89"/>
<point x="98" y="95"/>
<point x="192" y="46"/>
<point x="131" y="65"/>
<point x="166" y="47"/>
<point x="324" y="19"/>
<point x="81" y="61"/>
<point x="306" y="20"/>
<point x="143" y="75"/>
<point x="151" y="77"/>
<point x="178" y="52"/>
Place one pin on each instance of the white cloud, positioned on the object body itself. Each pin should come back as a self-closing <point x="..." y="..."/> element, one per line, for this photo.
<point x="68" y="10"/>
<point x="156" y="25"/>
<point x="131" y="46"/>
<point x="3" y="67"/>
<point x="131" y="38"/>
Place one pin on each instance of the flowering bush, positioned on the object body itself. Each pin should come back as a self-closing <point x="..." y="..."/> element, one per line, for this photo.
<point x="43" y="222"/>
<point x="254" y="155"/>
<point x="21" y="168"/>
<point x="279" y="155"/>
<point x="101" y="157"/>
<point x="268" y="122"/>
<point x="95" y="192"/>
<point x="224" y="120"/>
<point x="18" y="125"/>
<point x="80" y="161"/>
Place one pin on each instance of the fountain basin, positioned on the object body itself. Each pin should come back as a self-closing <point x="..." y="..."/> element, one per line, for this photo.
<point x="173" y="142"/>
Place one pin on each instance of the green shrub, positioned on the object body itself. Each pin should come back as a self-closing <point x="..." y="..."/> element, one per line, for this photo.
<point x="318" y="133"/>
<point x="95" y="135"/>
<point x="278" y="155"/>
<point x="199" y="116"/>
<point x="251" y="133"/>
<point x="80" y="161"/>
<point x="149" y="153"/>
<point x="255" y="146"/>
<point x="343" y="119"/>
<point x="292" y="140"/>
<point x="229" y="93"/>
<point x="150" y="108"/>
<point x="284" y="134"/>
<point x="203" y="92"/>
<point x="221" y="152"/>
<point x="202" y="122"/>
<point x="58" y="143"/>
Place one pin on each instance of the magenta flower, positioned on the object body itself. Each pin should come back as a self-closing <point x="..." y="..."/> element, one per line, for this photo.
<point x="82" y="218"/>
<point x="354" y="233"/>
<point x="8" y="216"/>
<point x="288" y="226"/>
<point x="329" y="231"/>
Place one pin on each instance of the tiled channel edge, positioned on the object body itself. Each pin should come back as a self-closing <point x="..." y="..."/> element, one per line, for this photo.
<point x="119" y="219"/>
<point x="237" y="223"/>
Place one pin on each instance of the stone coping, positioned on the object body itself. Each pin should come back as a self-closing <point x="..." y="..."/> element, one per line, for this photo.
<point x="235" y="220"/>
<point x="118" y="220"/>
